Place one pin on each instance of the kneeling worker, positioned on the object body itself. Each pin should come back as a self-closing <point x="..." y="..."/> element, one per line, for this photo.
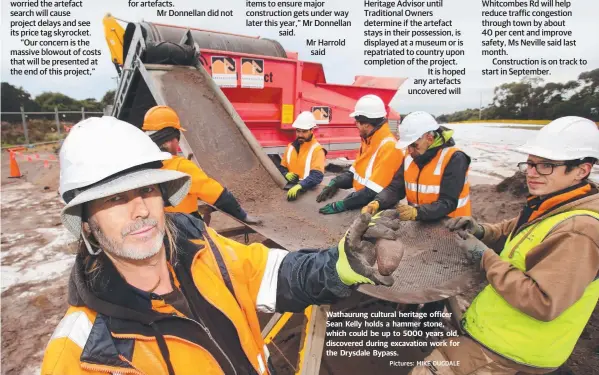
<point x="162" y="124"/>
<point x="377" y="160"/>
<point x="143" y="299"/>
<point x="303" y="162"/>
<point x="544" y="284"/>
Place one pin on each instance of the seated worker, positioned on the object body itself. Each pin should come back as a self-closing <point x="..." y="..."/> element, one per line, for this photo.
<point x="162" y="124"/>
<point x="544" y="284"/>
<point x="377" y="160"/>
<point x="433" y="176"/>
<point x="143" y="299"/>
<point x="303" y="162"/>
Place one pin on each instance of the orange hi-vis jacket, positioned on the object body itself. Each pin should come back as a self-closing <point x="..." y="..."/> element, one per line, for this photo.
<point x="236" y="279"/>
<point x="377" y="161"/>
<point x="212" y="327"/>
<point x="311" y="156"/>
<point x="202" y="186"/>
<point x="423" y="186"/>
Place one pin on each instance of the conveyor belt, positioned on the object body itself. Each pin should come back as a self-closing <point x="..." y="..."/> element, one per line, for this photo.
<point x="431" y="267"/>
<point x="225" y="154"/>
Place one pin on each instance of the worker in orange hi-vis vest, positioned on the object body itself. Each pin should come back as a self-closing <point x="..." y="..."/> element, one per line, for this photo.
<point x="303" y="162"/>
<point x="433" y="177"/>
<point x="163" y="126"/>
<point x="377" y="161"/>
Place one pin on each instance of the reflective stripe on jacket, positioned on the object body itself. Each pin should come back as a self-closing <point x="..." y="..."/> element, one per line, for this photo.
<point x="311" y="156"/>
<point x="377" y="161"/>
<point x="234" y="278"/>
<point x="423" y="186"/>
<point x="506" y="330"/>
<point x="112" y="327"/>
<point x="202" y="186"/>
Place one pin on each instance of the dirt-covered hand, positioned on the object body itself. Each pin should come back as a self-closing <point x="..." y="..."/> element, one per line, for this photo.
<point x="252" y="220"/>
<point x="371" y="207"/>
<point x="406" y="212"/>
<point x="327" y="193"/>
<point x="472" y="247"/>
<point x="467" y="224"/>
<point x="357" y="258"/>
<point x="383" y="225"/>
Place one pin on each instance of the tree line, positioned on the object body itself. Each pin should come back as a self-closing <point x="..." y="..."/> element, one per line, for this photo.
<point x="13" y="98"/>
<point x="529" y="99"/>
<point x="534" y="99"/>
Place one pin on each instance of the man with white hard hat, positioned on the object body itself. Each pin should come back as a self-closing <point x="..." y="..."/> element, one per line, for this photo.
<point x="433" y="177"/>
<point x="143" y="298"/>
<point x="377" y="160"/>
<point x="303" y="162"/>
<point x="544" y="283"/>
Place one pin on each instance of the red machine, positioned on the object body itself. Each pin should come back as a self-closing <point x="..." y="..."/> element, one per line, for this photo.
<point x="268" y="86"/>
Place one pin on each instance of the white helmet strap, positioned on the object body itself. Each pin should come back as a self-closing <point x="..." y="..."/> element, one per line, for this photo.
<point x="89" y="246"/>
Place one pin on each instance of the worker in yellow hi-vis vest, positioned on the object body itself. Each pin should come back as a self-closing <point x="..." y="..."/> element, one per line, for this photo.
<point x="544" y="283"/>
<point x="163" y="126"/>
<point x="303" y="162"/>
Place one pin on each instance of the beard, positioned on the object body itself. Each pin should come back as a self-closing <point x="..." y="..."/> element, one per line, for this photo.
<point x="123" y="250"/>
<point x="303" y="140"/>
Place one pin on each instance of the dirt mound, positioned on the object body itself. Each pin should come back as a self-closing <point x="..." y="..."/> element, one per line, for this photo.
<point x="494" y="203"/>
<point x="515" y="185"/>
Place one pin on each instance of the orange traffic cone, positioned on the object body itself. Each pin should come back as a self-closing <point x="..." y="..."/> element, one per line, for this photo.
<point x="15" y="172"/>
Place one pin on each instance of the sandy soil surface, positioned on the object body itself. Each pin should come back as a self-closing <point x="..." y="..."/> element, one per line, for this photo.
<point x="35" y="259"/>
<point x="37" y="254"/>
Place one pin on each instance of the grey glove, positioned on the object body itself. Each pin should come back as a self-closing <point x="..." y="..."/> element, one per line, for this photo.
<point x="328" y="192"/>
<point x="384" y="225"/>
<point x="357" y="258"/>
<point x="472" y="247"/>
<point x="252" y="220"/>
<point x="466" y="223"/>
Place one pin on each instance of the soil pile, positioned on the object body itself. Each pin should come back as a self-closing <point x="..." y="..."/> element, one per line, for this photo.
<point x="515" y="185"/>
<point x="494" y="203"/>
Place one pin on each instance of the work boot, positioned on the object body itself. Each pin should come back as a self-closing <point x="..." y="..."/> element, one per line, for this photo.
<point x="252" y="220"/>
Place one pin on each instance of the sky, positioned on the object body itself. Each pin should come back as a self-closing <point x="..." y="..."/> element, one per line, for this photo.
<point x="341" y="64"/>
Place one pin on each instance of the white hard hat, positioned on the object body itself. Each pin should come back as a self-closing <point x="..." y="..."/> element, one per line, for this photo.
<point x="305" y="121"/>
<point x="566" y="138"/>
<point x="98" y="159"/>
<point x="370" y="106"/>
<point x="414" y="126"/>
